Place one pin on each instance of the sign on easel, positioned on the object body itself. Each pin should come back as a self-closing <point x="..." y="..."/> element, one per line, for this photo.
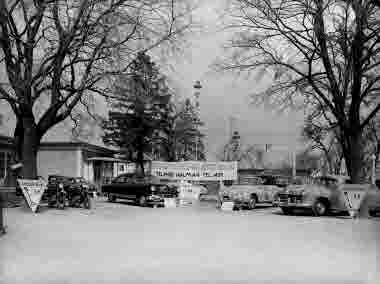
<point x="227" y="206"/>
<point x="353" y="200"/>
<point x="188" y="194"/>
<point x="32" y="190"/>
<point x="170" y="203"/>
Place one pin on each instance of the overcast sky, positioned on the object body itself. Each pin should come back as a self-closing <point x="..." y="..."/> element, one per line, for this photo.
<point x="226" y="95"/>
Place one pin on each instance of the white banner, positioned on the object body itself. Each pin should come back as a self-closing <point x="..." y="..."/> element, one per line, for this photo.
<point x="33" y="190"/>
<point x="194" y="170"/>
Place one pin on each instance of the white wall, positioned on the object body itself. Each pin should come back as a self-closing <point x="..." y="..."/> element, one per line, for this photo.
<point x="60" y="162"/>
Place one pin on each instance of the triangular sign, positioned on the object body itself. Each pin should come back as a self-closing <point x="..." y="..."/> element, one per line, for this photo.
<point x="33" y="190"/>
<point x="353" y="199"/>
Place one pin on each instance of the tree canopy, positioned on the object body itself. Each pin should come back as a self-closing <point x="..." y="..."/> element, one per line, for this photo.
<point x="63" y="51"/>
<point x="316" y="52"/>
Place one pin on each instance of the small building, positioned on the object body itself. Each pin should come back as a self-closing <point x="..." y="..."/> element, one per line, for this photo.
<point x="79" y="159"/>
<point x="96" y="164"/>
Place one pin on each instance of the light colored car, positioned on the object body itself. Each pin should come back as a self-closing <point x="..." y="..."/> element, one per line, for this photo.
<point x="325" y="195"/>
<point x="249" y="192"/>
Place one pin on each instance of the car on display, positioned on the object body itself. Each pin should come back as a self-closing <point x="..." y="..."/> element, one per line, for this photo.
<point x="250" y="191"/>
<point x="143" y="190"/>
<point x="324" y="195"/>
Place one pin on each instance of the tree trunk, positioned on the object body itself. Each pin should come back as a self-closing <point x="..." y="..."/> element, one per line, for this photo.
<point x="354" y="157"/>
<point x="28" y="148"/>
<point x="140" y="155"/>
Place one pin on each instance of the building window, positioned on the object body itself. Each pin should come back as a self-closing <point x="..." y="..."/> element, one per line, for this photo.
<point x="121" y="168"/>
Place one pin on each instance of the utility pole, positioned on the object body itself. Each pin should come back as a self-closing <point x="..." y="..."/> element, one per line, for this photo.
<point x="294" y="166"/>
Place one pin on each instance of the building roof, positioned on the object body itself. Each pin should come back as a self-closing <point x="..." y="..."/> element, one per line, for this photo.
<point x="79" y="144"/>
<point x="8" y="142"/>
<point x="107" y="159"/>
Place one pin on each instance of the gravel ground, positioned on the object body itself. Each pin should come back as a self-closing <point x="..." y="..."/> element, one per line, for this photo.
<point x="120" y="243"/>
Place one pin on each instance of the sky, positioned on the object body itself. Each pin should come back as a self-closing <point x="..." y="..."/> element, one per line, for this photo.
<point x="227" y="95"/>
<point x="222" y="95"/>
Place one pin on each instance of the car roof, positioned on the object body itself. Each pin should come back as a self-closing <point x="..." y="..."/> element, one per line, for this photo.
<point x="348" y="186"/>
<point x="336" y="177"/>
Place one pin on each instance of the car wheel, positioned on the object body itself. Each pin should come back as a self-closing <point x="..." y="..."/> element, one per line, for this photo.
<point x="61" y="205"/>
<point x="320" y="208"/>
<point x="252" y="203"/>
<point x="111" y="198"/>
<point x="287" y="211"/>
<point x="142" y="201"/>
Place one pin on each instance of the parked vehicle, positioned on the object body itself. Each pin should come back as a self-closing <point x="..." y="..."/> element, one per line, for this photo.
<point x="58" y="199"/>
<point x="65" y="191"/>
<point x="56" y="191"/>
<point x="324" y="195"/>
<point x="253" y="190"/>
<point x="143" y="190"/>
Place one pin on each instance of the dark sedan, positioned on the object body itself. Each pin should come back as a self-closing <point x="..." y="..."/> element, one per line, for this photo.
<point x="143" y="190"/>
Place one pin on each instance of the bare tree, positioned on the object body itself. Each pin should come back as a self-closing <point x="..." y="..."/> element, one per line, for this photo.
<point x="372" y="147"/>
<point x="324" y="136"/>
<point x="63" y="51"/>
<point x="319" y="51"/>
<point x="181" y="132"/>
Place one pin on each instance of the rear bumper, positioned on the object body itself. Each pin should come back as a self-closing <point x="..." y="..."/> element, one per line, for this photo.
<point x="158" y="201"/>
<point x="294" y="205"/>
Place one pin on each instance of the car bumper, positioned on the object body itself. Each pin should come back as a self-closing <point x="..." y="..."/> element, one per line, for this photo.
<point x="294" y="205"/>
<point x="237" y="202"/>
<point x="158" y="201"/>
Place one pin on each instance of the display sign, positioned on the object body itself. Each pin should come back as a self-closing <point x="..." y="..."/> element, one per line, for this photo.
<point x="227" y="206"/>
<point x="188" y="191"/>
<point x="32" y="190"/>
<point x="353" y="200"/>
<point x="195" y="170"/>
<point x="170" y="203"/>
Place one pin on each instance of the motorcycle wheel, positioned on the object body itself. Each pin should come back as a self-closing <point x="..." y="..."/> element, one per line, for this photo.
<point x="87" y="203"/>
<point x="61" y="201"/>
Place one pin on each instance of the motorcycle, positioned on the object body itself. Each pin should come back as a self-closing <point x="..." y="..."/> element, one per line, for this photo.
<point x="79" y="197"/>
<point x="59" y="199"/>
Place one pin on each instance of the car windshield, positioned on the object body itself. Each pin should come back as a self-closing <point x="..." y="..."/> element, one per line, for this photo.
<point x="268" y="180"/>
<point x="325" y="181"/>
<point x="250" y="180"/>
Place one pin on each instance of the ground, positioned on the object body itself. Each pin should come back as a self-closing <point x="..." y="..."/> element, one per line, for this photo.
<point x="121" y="243"/>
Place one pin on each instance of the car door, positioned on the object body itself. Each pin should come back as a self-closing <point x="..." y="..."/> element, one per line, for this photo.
<point x="118" y="185"/>
<point x="337" y="198"/>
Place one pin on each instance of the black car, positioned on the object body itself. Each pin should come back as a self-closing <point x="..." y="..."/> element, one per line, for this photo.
<point x="143" y="190"/>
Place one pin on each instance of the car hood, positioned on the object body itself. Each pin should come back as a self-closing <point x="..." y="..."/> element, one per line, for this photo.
<point x="250" y="188"/>
<point x="304" y="188"/>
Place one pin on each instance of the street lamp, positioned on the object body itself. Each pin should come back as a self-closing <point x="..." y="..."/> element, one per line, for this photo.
<point x="197" y="86"/>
